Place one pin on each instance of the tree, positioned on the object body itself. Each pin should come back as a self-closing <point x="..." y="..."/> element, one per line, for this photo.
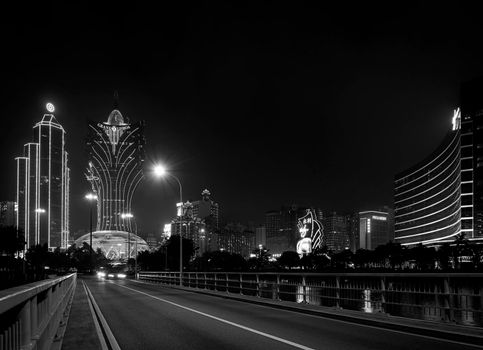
<point x="289" y="259"/>
<point x="343" y="259"/>
<point x="172" y="245"/>
<point x="12" y="240"/>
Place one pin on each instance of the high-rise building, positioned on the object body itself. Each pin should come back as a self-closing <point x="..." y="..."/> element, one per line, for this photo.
<point x="443" y="195"/>
<point x="237" y="239"/>
<point x="116" y="156"/>
<point x="336" y="231"/>
<point x="7" y="213"/>
<point x="374" y="229"/>
<point x="198" y="221"/>
<point x="206" y="209"/>
<point x="260" y="236"/>
<point x="43" y="181"/>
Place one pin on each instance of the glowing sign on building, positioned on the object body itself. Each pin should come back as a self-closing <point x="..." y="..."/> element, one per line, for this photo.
<point x="310" y="231"/>
<point x="380" y="218"/>
<point x="456" y="121"/>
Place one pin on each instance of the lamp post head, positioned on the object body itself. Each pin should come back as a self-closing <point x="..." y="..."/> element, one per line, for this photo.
<point x="91" y="197"/>
<point x="50" y="107"/>
<point x="159" y="170"/>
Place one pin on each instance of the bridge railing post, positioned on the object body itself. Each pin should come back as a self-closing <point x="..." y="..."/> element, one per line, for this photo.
<point x="277" y="289"/>
<point x="227" y="283"/>
<point x="383" y="294"/>
<point x="258" y="285"/>
<point x="304" y="290"/>
<point x="26" y="325"/>
<point x="448" y="299"/>
<point x="240" y="279"/>
<point x="337" y="292"/>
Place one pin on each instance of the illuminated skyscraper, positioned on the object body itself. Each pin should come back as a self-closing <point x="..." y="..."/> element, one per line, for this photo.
<point x="43" y="185"/>
<point x="116" y="157"/>
<point x="442" y="196"/>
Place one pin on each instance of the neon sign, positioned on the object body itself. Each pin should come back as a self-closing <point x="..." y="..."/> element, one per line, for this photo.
<point x="456" y="121"/>
<point x="310" y="231"/>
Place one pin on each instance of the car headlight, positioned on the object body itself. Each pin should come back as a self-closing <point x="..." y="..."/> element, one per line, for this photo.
<point x="110" y="275"/>
<point x="121" y="275"/>
<point x="101" y="274"/>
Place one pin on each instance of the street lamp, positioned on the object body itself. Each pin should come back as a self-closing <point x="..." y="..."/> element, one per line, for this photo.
<point x="128" y="216"/>
<point x="160" y="171"/>
<point x="91" y="197"/>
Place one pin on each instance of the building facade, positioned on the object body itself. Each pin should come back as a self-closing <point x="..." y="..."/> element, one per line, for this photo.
<point x="472" y="159"/>
<point x="236" y="238"/>
<point x="116" y="156"/>
<point x="198" y="221"/>
<point x="374" y="229"/>
<point x="43" y="181"/>
<point x="336" y="231"/>
<point x="7" y="213"/>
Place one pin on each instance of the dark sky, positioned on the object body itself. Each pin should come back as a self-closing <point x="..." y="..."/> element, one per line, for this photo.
<point x="265" y="104"/>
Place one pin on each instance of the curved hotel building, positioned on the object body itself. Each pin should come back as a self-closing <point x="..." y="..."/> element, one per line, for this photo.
<point x="427" y="197"/>
<point x="115" y="169"/>
<point x="442" y="196"/>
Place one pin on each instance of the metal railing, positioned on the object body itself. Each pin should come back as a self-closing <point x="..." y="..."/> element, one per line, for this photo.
<point x="30" y="315"/>
<point x="445" y="297"/>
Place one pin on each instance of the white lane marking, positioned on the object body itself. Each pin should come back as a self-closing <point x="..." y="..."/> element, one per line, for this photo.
<point x="353" y="323"/>
<point x="96" y="322"/>
<point x="110" y="337"/>
<point x="288" y="342"/>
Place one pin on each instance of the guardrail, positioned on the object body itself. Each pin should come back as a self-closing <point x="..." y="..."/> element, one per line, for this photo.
<point x="30" y="315"/>
<point x="445" y="297"/>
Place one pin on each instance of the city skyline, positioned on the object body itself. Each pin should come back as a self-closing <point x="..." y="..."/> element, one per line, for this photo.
<point x="316" y="119"/>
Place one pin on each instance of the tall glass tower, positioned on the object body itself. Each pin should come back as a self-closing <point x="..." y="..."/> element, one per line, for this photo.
<point x="42" y="191"/>
<point x="116" y="156"/>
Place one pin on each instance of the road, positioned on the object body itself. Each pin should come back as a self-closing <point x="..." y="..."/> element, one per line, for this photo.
<point x="145" y="316"/>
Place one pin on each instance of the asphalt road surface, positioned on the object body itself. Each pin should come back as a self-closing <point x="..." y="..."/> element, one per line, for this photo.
<point x="145" y="316"/>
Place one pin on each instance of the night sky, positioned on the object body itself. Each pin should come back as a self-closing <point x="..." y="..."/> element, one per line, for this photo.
<point x="264" y="104"/>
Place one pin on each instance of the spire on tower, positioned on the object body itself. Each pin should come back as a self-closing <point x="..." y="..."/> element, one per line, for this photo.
<point x="116" y="100"/>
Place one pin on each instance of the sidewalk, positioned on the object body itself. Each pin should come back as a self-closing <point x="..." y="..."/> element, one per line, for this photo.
<point x="440" y="330"/>
<point x="81" y="331"/>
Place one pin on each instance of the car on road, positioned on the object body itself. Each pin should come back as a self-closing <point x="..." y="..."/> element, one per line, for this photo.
<point x="112" y="272"/>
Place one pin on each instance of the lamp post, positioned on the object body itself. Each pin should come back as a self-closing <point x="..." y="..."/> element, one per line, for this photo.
<point x="160" y="171"/>
<point x="91" y="198"/>
<point x="128" y="216"/>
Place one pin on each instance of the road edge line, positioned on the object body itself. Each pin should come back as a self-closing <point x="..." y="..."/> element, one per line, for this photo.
<point x="113" y="344"/>
<point x="222" y="320"/>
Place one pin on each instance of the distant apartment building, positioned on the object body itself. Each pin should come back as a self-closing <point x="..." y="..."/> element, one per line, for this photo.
<point x="7" y="213"/>
<point x="237" y="239"/>
<point x="43" y="182"/>
<point x="336" y="231"/>
<point x="374" y="229"/>
<point x="260" y="236"/>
